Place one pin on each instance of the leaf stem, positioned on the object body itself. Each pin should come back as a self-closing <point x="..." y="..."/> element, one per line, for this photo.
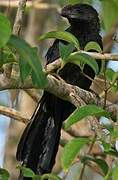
<point x="105" y="89"/>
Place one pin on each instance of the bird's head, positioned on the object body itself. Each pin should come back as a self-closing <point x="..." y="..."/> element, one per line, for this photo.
<point x="80" y="13"/>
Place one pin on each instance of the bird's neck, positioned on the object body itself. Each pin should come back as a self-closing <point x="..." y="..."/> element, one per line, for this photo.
<point x="84" y="29"/>
<point x="84" y="32"/>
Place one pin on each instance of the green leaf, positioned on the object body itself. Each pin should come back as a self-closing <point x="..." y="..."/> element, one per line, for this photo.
<point x="107" y="146"/>
<point x="112" y="152"/>
<point x="50" y="177"/>
<point x="36" y="177"/>
<point x="115" y="173"/>
<point x="66" y="2"/>
<point x="109" y="74"/>
<point x="77" y="57"/>
<point x="114" y="88"/>
<point x="65" y="50"/>
<point x="71" y="151"/>
<point x="116" y="2"/>
<point x="30" y="56"/>
<point x="109" y="7"/>
<point x="115" y="77"/>
<point x="103" y="165"/>
<point x="25" y="68"/>
<point x="93" y="46"/>
<point x="112" y="77"/>
<point x="5" y="30"/>
<point x="62" y="35"/>
<point x="73" y="1"/>
<point x="100" y="162"/>
<point x="114" y="134"/>
<point x="7" y="56"/>
<point x="108" y="175"/>
<point x="78" y="1"/>
<point x="4" y="174"/>
<point x="82" y="112"/>
<point x="109" y="127"/>
<point x="27" y="172"/>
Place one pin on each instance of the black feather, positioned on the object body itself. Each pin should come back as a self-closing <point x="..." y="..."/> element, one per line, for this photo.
<point x="39" y="143"/>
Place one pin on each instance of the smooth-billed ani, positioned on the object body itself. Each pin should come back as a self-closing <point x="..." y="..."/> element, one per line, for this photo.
<point x="39" y="143"/>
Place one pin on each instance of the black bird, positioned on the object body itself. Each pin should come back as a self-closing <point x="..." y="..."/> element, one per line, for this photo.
<point x="39" y="143"/>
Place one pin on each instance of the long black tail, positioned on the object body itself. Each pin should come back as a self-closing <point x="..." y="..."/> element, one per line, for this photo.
<point x="39" y="143"/>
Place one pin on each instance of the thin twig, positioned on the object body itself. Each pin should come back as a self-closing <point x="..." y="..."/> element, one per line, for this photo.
<point x="89" y="151"/>
<point x="105" y="89"/>
<point x="82" y="172"/>
<point x="34" y="96"/>
<point x="12" y="113"/>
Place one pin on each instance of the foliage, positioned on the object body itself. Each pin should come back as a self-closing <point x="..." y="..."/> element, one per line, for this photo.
<point x="83" y="112"/>
<point x="32" y="61"/>
<point x="71" y="151"/>
<point x="109" y="9"/>
<point x="29" y="173"/>
<point x="62" y="35"/>
<point x="4" y="174"/>
<point x="30" y="66"/>
<point x="5" y="30"/>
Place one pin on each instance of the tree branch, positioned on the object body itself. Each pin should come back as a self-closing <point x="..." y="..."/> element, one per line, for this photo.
<point x="104" y="56"/>
<point x="33" y="95"/>
<point x="99" y="56"/>
<point x="36" y="5"/>
<point x="63" y="90"/>
<point x="12" y="113"/>
<point x="19" y="17"/>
